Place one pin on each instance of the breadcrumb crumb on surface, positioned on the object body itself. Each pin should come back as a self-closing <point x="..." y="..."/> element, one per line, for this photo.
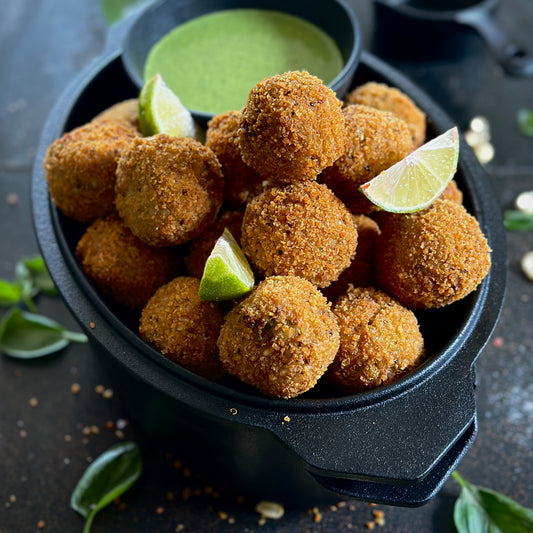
<point x="375" y="141"/>
<point x="291" y="127"/>
<point x="299" y="230"/>
<point x="433" y="257"/>
<point x="281" y="338"/>
<point x="380" y="340"/>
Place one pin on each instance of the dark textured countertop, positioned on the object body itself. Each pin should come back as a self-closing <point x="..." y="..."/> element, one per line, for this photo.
<point x="48" y="434"/>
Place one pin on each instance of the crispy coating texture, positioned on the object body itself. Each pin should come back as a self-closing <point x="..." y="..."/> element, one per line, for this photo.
<point x="300" y="230"/>
<point x="281" y="338"/>
<point x="361" y="272"/>
<point x="201" y="247"/>
<point x="453" y="193"/>
<point x="183" y="328"/>
<point x="381" y="96"/>
<point x="376" y="140"/>
<point x="379" y="340"/>
<point x="291" y="128"/>
<point x="123" y="266"/>
<point x="127" y="110"/>
<point x="80" y="168"/>
<point x="242" y="183"/>
<point x="168" y="189"/>
<point x="433" y="257"/>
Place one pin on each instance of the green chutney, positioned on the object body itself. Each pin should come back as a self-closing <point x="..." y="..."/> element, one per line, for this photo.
<point x="213" y="61"/>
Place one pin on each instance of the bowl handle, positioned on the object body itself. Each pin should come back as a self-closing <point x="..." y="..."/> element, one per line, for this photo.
<point x="398" y="450"/>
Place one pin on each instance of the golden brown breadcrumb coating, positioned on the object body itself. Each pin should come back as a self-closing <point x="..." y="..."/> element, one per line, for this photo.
<point x="123" y="266"/>
<point x="376" y="140"/>
<point x="381" y="96"/>
<point x="361" y="272"/>
<point x="379" y="340"/>
<point x="183" y="328"/>
<point x="202" y="246"/>
<point x="453" y="193"/>
<point x="432" y="257"/>
<point x="281" y="338"/>
<point x="127" y="110"/>
<point x="291" y="128"/>
<point x="168" y="189"/>
<point x="80" y="168"/>
<point x="302" y="230"/>
<point x="242" y="183"/>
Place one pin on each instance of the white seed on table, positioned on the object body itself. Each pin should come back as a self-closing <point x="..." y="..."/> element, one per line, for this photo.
<point x="484" y="152"/>
<point x="479" y="124"/>
<point x="527" y="265"/>
<point x="524" y="202"/>
<point x="270" y="509"/>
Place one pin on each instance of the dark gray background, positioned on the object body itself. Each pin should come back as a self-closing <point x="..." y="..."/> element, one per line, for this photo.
<point x="43" y="45"/>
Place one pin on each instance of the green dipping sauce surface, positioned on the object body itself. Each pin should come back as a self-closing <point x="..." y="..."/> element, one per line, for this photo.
<point x="213" y="61"/>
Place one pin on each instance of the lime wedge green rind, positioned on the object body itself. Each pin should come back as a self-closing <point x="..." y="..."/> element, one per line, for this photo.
<point x="417" y="180"/>
<point x="161" y="111"/>
<point x="227" y="273"/>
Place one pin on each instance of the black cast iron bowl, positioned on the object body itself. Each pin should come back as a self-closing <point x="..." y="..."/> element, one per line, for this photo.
<point x="335" y="17"/>
<point x="395" y="445"/>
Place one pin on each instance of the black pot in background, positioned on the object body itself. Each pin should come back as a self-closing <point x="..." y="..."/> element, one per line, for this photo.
<point x="396" y="445"/>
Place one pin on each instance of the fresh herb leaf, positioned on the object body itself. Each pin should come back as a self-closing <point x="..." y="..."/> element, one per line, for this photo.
<point x="525" y="121"/>
<point x="481" y="510"/>
<point x="106" y="478"/>
<point x="33" y="271"/>
<point x="10" y="293"/>
<point x="27" y="335"/>
<point x="115" y="10"/>
<point x="515" y="220"/>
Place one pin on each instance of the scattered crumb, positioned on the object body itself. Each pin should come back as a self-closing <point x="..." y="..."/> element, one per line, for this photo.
<point x="370" y="525"/>
<point x="119" y="434"/>
<point x="34" y="402"/>
<point x="12" y="198"/>
<point x="222" y="515"/>
<point x="86" y="430"/>
<point x="268" y="509"/>
<point x="286" y="419"/>
<point x="92" y="325"/>
<point x="233" y="411"/>
<point x="95" y="430"/>
<point x="99" y="389"/>
<point x="23" y="433"/>
<point x="110" y="425"/>
<point x="68" y="438"/>
<point x="107" y="394"/>
<point x="159" y="510"/>
<point x="497" y="342"/>
<point x="75" y="388"/>
<point x="41" y="524"/>
<point x="12" y="498"/>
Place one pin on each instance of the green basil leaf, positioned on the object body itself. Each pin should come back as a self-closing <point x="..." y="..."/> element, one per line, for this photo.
<point x="106" y="478"/>
<point x="481" y="510"/>
<point x="10" y="293"/>
<point x="28" y="335"/>
<point x="515" y="220"/>
<point x="115" y="10"/>
<point x="525" y="121"/>
<point x="32" y="271"/>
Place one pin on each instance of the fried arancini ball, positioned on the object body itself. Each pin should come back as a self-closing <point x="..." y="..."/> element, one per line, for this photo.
<point x="453" y="193"/>
<point x="381" y="96"/>
<point x="281" y="338"/>
<point x="242" y="183"/>
<point x="360" y="273"/>
<point x="127" y="110"/>
<point x="379" y="340"/>
<point x="433" y="257"/>
<point x="302" y="230"/>
<point x="123" y="266"/>
<point x="80" y="168"/>
<point x="291" y="128"/>
<point x="376" y="140"/>
<point x="168" y="189"/>
<point x="184" y="328"/>
<point x="201" y="247"/>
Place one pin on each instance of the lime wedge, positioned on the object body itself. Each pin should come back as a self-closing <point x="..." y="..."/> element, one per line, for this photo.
<point x="417" y="180"/>
<point x="161" y="111"/>
<point x="227" y="273"/>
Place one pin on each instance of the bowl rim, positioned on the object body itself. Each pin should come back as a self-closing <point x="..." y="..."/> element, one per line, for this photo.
<point x="132" y="69"/>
